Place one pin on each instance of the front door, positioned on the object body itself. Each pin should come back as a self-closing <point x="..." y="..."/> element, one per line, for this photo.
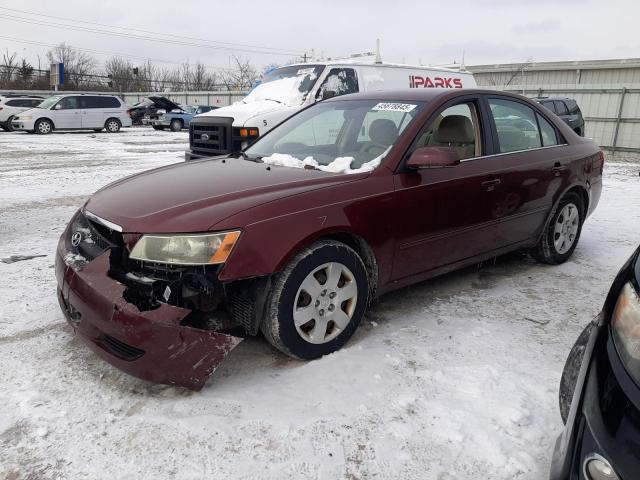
<point x="68" y="113"/>
<point x="446" y="215"/>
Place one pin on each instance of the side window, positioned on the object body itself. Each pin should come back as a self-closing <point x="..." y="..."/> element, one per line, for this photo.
<point x="90" y="102"/>
<point x="341" y="81"/>
<point x="34" y="103"/>
<point x="457" y="128"/>
<point x="69" y="103"/>
<point x="14" y="103"/>
<point x="548" y="133"/>
<point x="549" y="105"/>
<point x="323" y="129"/>
<point x="516" y="125"/>
<point x="561" y="108"/>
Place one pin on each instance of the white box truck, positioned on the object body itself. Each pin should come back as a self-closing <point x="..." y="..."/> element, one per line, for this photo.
<point x="287" y="90"/>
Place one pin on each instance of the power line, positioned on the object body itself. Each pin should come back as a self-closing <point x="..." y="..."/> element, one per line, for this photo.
<point x="163" y="34"/>
<point x="97" y="52"/>
<point x="19" y="19"/>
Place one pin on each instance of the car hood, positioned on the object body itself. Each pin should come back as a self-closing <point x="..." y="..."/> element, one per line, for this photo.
<point x="241" y="112"/>
<point x="33" y="110"/>
<point x="195" y="196"/>
<point x="164" y="102"/>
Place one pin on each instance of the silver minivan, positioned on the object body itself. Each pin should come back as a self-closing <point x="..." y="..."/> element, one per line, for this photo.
<point x="74" y="112"/>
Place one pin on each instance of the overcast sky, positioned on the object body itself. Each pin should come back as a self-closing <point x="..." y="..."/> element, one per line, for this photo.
<point x="489" y="31"/>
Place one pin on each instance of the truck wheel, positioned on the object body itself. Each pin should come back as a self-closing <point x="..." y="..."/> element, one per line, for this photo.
<point x="43" y="127"/>
<point x="571" y="371"/>
<point x="176" y="125"/>
<point x="562" y="233"/>
<point x="317" y="301"/>
<point x="112" y="125"/>
<point x="8" y="126"/>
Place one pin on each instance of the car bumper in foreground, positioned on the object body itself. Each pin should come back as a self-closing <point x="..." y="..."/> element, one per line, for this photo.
<point x="151" y="345"/>
<point x="604" y="421"/>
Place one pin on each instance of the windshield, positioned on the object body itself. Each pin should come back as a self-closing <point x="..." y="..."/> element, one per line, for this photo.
<point x="188" y="109"/>
<point x="349" y="136"/>
<point x="50" y="102"/>
<point x="286" y="85"/>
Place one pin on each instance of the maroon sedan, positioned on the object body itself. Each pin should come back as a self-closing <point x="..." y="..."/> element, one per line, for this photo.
<point x="162" y="273"/>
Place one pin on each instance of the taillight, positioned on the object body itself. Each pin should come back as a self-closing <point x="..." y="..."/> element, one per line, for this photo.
<point x="598" y="164"/>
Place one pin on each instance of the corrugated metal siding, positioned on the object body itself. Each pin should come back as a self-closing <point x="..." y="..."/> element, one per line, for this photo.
<point x="215" y="99"/>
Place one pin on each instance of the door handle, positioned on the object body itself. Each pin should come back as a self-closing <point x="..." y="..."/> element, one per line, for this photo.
<point x="489" y="185"/>
<point x="558" y="169"/>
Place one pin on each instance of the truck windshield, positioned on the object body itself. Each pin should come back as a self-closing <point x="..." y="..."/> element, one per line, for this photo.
<point x="286" y="85"/>
<point x="49" y="102"/>
<point x="348" y="136"/>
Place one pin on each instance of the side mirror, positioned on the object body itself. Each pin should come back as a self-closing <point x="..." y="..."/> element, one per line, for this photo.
<point x="433" y="157"/>
<point x="57" y="107"/>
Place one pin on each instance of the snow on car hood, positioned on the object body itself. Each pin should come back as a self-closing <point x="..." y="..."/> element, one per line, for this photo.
<point x="339" y="165"/>
<point x="241" y="112"/>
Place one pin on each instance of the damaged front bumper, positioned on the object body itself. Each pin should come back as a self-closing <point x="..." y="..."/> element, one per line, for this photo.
<point x="154" y="344"/>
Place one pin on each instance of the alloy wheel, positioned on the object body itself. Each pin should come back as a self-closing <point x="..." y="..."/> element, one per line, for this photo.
<point x="325" y="303"/>
<point x="566" y="228"/>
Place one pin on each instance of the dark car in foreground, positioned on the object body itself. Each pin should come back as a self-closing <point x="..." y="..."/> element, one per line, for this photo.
<point x="600" y="390"/>
<point x="567" y="109"/>
<point x="163" y="272"/>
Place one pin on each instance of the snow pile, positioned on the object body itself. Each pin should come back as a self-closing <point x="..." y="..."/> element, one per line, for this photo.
<point x="339" y="165"/>
<point x="283" y="90"/>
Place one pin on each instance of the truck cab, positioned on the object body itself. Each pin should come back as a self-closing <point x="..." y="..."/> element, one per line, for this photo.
<point x="287" y="90"/>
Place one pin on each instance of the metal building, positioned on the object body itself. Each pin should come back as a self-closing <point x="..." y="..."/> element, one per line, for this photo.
<point x="607" y="91"/>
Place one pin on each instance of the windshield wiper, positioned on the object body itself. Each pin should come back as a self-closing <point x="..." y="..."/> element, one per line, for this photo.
<point x="273" y="100"/>
<point x="251" y="159"/>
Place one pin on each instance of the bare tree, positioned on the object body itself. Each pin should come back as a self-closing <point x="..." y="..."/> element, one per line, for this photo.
<point x="120" y="73"/>
<point x="9" y="66"/>
<point x="79" y="66"/>
<point x="241" y="76"/>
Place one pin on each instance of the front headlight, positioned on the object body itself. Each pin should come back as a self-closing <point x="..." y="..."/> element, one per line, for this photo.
<point x="198" y="249"/>
<point x="22" y="118"/>
<point x="625" y="326"/>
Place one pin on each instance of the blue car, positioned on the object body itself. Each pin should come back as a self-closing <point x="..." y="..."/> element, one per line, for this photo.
<point x="179" y="117"/>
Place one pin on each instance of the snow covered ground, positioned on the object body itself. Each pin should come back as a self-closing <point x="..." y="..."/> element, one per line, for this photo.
<point x="455" y="378"/>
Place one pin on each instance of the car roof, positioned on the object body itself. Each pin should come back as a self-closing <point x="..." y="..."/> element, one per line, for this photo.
<point x="420" y="94"/>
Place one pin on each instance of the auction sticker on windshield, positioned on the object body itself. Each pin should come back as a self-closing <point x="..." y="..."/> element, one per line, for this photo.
<point x="395" y="107"/>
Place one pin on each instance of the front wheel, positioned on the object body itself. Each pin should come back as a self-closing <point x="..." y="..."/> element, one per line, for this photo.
<point x="317" y="301"/>
<point x="43" y="127"/>
<point x="562" y="233"/>
<point x="176" y="125"/>
<point x="571" y="371"/>
<point x="113" y="125"/>
<point x="9" y="128"/>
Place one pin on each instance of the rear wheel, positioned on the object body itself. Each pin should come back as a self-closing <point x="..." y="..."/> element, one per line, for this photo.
<point x="317" y="301"/>
<point x="43" y="127"/>
<point x="176" y="125"/>
<point x="562" y="233"/>
<point x="113" y="125"/>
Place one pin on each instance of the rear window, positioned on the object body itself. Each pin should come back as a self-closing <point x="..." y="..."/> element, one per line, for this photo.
<point x="549" y="105"/>
<point x="100" y="102"/>
<point x="561" y="108"/>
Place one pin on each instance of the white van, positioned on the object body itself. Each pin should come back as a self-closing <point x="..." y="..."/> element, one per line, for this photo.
<point x="81" y="111"/>
<point x="286" y="90"/>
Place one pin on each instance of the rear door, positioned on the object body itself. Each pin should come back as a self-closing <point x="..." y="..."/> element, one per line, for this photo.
<point x="534" y="166"/>
<point x="67" y="113"/>
<point x="92" y="113"/>
<point x="445" y="215"/>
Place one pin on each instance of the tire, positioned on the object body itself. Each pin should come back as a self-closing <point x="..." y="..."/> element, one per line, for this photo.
<point x="8" y="126"/>
<point x="156" y="127"/>
<point x="112" y="125"/>
<point x="565" y="224"/>
<point x="571" y="371"/>
<point x="325" y="268"/>
<point x="43" y="127"/>
<point x="176" y="125"/>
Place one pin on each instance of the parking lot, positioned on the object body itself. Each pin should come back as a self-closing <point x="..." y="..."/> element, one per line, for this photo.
<point x="471" y="359"/>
